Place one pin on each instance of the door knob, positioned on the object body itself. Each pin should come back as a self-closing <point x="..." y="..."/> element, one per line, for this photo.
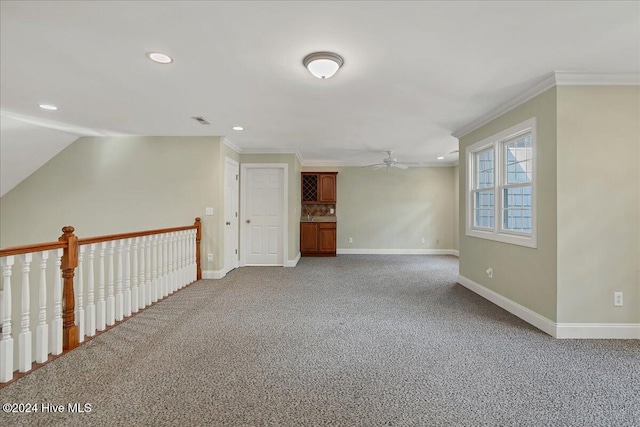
<point x="228" y="223"/>
<point x="248" y="221"/>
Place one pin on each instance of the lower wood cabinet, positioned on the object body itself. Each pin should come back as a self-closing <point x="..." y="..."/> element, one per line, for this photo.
<point x="318" y="238"/>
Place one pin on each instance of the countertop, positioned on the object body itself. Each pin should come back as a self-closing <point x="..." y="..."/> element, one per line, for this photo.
<point x="319" y="219"/>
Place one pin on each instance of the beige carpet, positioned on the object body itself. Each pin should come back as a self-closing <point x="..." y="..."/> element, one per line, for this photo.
<point x="350" y="341"/>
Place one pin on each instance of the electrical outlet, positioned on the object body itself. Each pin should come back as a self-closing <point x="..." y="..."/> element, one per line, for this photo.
<point x="210" y="257"/>
<point x="208" y="211"/>
<point x="490" y="272"/>
<point x="617" y="299"/>
<point x="350" y="239"/>
<point x="422" y="240"/>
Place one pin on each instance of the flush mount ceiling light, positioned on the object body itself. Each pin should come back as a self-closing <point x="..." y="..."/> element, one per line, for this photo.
<point x="160" y="58"/>
<point x="441" y="158"/>
<point x="48" y="107"/>
<point x="237" y="128"/>
<point x="323" y="64"/>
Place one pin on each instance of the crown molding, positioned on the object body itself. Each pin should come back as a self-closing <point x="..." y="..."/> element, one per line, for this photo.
<point x="565" y="78"/>
<point x="229" y="143"/>
<point x="274" y="151"/>
<point x="343" y="164"/>
<point x="556" y="78"/>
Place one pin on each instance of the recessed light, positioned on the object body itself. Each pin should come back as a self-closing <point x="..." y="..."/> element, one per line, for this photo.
<point x="48" y="107"/>
<point x="160" y="58"/>
<point x="441" y="158"/>
<point x="237" y="128"/>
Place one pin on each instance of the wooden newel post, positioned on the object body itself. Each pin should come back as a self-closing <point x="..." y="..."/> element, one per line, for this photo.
<point x="69" y="263"/>
<point x="198" y="225"/>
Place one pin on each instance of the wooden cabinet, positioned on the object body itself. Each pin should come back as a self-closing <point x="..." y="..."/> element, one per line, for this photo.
<point x="318" y="238"/>
<point x="319" y="187"/>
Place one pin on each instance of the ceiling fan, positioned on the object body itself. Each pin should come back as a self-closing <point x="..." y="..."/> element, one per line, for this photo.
<point x="390" y="162"/>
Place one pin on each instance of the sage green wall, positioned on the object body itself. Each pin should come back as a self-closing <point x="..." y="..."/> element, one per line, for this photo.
<point x="394" y="209"/>
<point x="598" y="203"/>
<point x="456" y="208"/>
<point x="294" y="193"/>
<point x="524" y="275"/>
<point x="112" y="185"/>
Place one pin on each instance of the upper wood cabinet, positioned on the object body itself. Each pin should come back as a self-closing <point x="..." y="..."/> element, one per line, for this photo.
<point x="319" y="187"/>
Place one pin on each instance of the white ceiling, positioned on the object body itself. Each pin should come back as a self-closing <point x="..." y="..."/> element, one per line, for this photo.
<point x="414" y="72"/>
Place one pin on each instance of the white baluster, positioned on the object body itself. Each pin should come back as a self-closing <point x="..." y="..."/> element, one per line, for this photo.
<point x="111" y="301"/>
<point x="79" y="287"/>
<point x="170" y="263"/>
<point x="127" y="278"/>
<point x="194" y="266"/>
<point x="90" y="322"/>
<point x="154" y="268"/>
<point x="56" y="322"/>
<point x="174" y="263"/>
<point x="42" y="330"/>
<point x="134" y="275"/>
<point x="161" y="262"/>
<point x="6" y="341"/>
<point x="142" y="297"/>
<point x="147" y="271"/>
<point x="119" y="297"/>
<point x="181" y="263"/>
<point x="195" y="250"/>
<point x="165" y="265"/>
<point x="24" y="338"/>
<point x="187" y="269"/>
<point x="185" y="257"/>
<point x="101" y="306"/>
<point x="178" y="283"/>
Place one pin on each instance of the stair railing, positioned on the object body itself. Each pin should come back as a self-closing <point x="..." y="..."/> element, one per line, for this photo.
<point x="73" y="300"/>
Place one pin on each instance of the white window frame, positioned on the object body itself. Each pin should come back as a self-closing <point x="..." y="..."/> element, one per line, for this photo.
<point x="496" y="143"/>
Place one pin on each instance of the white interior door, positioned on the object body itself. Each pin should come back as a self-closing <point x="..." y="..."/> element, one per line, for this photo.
<point x="231" y="218"/>
<point x="263" y="214"/>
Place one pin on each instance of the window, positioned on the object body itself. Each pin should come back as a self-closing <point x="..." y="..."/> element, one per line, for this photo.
<point x="501" y="186"/>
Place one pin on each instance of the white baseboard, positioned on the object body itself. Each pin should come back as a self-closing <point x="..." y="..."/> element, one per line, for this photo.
<point x="349" y="251"/>
<point x="455" y="252"/>
<point x="598" y="330"/>
<point x="557" y="330"/>
<point x="512" y="307"/>
<point x="292" y="262"/>
<point x="214" y="274"/>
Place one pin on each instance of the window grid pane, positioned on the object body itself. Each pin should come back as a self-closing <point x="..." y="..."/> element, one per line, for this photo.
<point x="516" y="209"/>
<point x="484" y="169"/>
<point x="518" y="159"/>
<point x="483" y="209"/>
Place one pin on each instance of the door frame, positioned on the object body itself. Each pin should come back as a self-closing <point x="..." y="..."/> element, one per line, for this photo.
<point x="285" y="208"/>
<point x="228" y="268"/>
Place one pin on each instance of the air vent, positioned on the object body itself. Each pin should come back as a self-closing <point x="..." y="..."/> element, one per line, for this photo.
<point x="201" y="120"/>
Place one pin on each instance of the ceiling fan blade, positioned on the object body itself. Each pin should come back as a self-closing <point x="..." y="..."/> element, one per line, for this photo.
<point x="375" y="164"/>
<point x="400" y="166"/>
<point x="454" y="151"/>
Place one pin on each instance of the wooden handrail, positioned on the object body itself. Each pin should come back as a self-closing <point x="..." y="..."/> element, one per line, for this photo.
<point x="107" y="238"/>
<point x="70" y="243"/>
<point x="36" y="247"/>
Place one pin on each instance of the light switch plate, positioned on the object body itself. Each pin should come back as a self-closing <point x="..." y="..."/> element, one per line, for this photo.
<point x="208" y="211"/>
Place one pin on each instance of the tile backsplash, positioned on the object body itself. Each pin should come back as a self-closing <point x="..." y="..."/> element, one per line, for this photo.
<point x="318" y="210"/>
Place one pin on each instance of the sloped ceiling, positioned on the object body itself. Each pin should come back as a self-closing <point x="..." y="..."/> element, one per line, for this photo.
<point x="414" y="72"/>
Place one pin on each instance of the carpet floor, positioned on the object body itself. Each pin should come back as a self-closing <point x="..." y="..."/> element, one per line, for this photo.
<point x="356" y="340"/>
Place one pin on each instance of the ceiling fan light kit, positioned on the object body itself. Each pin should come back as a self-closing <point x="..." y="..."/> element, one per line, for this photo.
<point x="323" y="64"/>
<point x="388" y="163"/>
